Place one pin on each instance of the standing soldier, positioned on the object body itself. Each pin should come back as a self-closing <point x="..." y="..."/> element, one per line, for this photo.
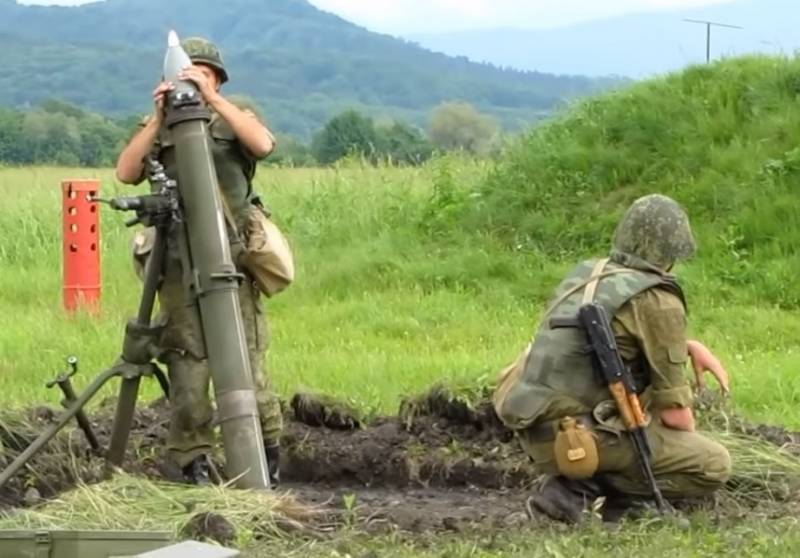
<point x="561" y="409"/>
<point x="238" y="140"/>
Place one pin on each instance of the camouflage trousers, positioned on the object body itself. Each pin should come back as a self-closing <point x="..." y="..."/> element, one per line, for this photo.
<point x="685" y="464"/>
<point x="191" y="426"/>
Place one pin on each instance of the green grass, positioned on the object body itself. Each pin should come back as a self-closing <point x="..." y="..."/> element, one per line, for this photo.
<point x="377" y="311"/>
<point x="387" y="301"/>
<point x="718" y="138"/>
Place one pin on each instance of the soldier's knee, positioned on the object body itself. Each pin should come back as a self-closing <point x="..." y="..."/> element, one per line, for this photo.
<point x="192" y="411"/>
<point x="718" y="467"/>
<point x="189" y="398"/>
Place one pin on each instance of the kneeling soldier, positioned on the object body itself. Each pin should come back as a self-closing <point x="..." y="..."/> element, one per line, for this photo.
<point x="560" y="406"/>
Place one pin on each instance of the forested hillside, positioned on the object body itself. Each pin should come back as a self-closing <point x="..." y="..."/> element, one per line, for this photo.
<point x="302" y="64"/>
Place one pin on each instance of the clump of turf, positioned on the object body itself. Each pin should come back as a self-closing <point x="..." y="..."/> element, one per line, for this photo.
<point x="323" y="410"/>
<point x="460" y="404"/>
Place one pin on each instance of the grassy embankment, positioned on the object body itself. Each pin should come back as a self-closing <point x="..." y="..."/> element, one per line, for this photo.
<point x="410" y="276"/>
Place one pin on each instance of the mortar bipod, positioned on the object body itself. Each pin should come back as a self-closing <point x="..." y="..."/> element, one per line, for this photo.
<point x="139" y="348"/>
<point x="71" y="411"/>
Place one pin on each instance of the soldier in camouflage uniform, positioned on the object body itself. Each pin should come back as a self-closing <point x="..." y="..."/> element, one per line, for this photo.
<point x="555" y="378"/>
<point x="238" y="140"/>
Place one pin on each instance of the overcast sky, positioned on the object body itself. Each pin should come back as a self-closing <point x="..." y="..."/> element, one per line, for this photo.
<point x="419" y="16"/>
<point x="415" y="16"/>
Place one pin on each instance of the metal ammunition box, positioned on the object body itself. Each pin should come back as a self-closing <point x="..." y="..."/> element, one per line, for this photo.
<point x="79" y="544"/>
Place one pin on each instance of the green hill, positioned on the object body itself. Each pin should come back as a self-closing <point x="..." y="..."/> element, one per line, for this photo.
<point x="302" y="64"/>
<point x="722" y="139"/>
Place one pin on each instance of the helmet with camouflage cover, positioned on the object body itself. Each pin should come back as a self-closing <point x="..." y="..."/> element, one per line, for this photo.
<point x="203" y="51"/>
<point x="656" y="229"/>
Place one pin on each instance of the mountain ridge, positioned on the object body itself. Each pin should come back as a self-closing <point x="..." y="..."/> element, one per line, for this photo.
<point x="302" y="64"/>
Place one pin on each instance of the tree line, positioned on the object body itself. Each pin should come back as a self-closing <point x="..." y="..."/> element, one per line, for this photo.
<point x="453" y="126"/>
<point x="58" y="133"/>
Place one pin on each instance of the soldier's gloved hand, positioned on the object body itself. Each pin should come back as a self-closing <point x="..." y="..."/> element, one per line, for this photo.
<point x="703" y="360"/>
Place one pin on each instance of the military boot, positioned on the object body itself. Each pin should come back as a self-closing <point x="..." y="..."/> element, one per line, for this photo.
<point x="620" y="506"/>
<point x="198" y="471"/>
<point x="273" y="452"/>
<point x="564" y="500"/>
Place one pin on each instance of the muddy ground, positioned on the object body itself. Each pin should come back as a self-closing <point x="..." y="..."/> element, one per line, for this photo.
<point x="440" y="466"/>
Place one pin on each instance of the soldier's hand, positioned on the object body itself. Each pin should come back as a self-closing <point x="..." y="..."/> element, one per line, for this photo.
<point x="160" y="98"/>
<point x="703" y="360"/>
<point x="201" y="80"/>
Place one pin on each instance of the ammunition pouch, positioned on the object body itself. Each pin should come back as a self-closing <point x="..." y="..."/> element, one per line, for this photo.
<point x="547" y="431"/>
<point x="266" y="255"/>
<point x="575" y="450"/>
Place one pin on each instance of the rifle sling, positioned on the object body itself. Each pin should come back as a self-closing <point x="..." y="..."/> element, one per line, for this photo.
<point x="590" y="285"/>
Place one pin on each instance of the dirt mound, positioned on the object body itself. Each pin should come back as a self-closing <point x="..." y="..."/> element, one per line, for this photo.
<point x="431" y="451"/>
<point x="435" y="464"/>
<point x="64" y="462"/>
<point x="443" y="463"/>
<point x="210" y="527"/>
<point x="68" y="459"/>
<point x="438" y="467"/>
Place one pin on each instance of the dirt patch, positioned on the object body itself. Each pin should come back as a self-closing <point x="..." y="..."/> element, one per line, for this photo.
<point x="68" y="459"/>
<point x="431" y="451"/>
<point x="415" y="473"/>
<point x="64" y="462"/>
<point x="419" y="510"/>
<point x="439" y="468"/>
<point x="438" y="439"/>
<point x="443" y="464"/>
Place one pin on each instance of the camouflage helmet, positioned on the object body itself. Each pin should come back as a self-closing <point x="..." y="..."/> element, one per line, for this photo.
<point x="203" y="51"/>
<point x="656" y="229"/>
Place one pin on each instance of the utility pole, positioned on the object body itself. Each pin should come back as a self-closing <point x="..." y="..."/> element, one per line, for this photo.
<point x="708" y="25"/>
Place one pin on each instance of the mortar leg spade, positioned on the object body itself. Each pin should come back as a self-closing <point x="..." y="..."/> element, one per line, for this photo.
<point x="64" y="382"/>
